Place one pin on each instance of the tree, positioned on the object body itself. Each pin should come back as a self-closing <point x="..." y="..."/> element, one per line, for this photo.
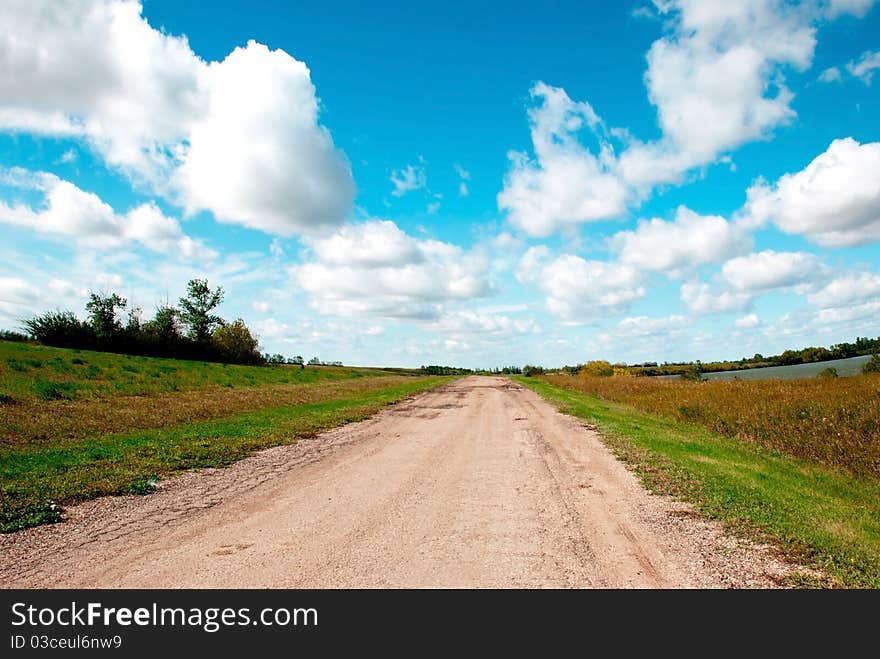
<point x="102" y="315"/>
<point x="196" y="308"/>
<point x="165" y="326"/>
<point x="236" y="343"/>
<point x="314" y="361"/>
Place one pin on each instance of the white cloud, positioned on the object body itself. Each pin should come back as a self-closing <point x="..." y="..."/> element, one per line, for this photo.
<point x="474" y="322"/>
<point x="865" y="66"/>
<point x="411" y="177"/>
<point x="687" y="241"/>
<point x="465" y="176"/>
<point x="643" y="327"/>
<point x="16" y="295"/>
<point x="848" y="289"/>
<point x="867" y="310"/>
<point x="239" y="138"/>
<point x="566" y="184"/>
<point x="834" y="201"/>
<point x="68" y="156"/>
<point x="701" y="299"/>
<point x="69" y="211"/>
<point x="260" y="306"/>
<point x="371" y="244"/>
<point x="716" y="81"/>
<point x="834" y="8"/>
<point x="578" y="290"/>
<point x="831" y="74"/>
<point x="374" y="269"/>
<point x="259" y="157"/>
<point x="748" y="322"/>
<point x="769" y="270"/>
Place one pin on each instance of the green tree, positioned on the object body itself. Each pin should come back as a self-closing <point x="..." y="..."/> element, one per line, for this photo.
<point x="196" y="308"/>
<point x="165" y="325"/>
<point x="236" y="343"/>
<point x="102" y="314"/>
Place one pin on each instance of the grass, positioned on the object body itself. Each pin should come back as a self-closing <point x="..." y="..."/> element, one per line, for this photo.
<point x="29" y="372"/>
<point x="834" y="421"/>
<point x="38" y="477"/>
<point x="817" y="516"/>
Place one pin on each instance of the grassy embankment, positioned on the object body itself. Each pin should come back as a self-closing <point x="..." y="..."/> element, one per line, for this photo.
<point x="692" y="440"/>
<point x="77" y="424"/>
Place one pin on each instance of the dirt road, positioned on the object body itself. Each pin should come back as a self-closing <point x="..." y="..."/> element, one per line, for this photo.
<point x="478" y="484"/>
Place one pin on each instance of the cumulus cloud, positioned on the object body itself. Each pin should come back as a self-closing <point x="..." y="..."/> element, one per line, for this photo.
<point x="474" y="322"/>
<point x="398" y="277"/>
<point x="716" y="81"/>
<point x="831" y="74"/>
<point x="865" y="66"/>
<point x="687" y="241"/>
<point x="565" y="183"/>
<point x="258" y="157"/>
<point x="643" y="327"/>
<point x="411" y="177"/>
<point x="834" y="201"/>
<point x="69" y="211"/>
<point x="769" y="270"/>
<point x="578" y="290"/>
<point x="849" y="289"/>
<point x="748" y="322"/>
<point x="700" y="298"/>
<point x="239" y="137"/>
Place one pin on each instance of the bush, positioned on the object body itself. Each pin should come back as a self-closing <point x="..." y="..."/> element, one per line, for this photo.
<point x="61" y="329"/>
<point x="8" y="335"/>
<point x="829" y="372"/>
<point x="528" y="370"/>
<point x="872" y="365"/>
<point x="597" y="368"/>
<point x="693" y="374"/>
<point x="237" y="344"/>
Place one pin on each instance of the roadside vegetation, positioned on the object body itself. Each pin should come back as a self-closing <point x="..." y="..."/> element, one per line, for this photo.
<point x="819" y="516"/>
<point x="829" y="420"/>
<point x="76" y="424"/>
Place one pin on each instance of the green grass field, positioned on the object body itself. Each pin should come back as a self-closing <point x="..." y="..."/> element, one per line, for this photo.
<point x="29" y="371"/>
<point x="123" y="422"/>
<point x="817" y="516"/>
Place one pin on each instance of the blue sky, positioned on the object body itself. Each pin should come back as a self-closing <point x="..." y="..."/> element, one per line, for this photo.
<point x="468" y="183"/>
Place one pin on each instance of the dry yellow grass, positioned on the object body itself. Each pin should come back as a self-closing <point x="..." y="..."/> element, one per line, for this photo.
<point x="834" y="421"/>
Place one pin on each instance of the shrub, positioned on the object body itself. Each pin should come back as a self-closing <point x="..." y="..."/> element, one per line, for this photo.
<point x="60" y="329"/>
<point x="8" y="335"/>
<point x="693" y="374"/>
<point x="829" y="372"/>
<point x="597" y="368"/>
<point x="236" y="343"/>
<point x="872" y="365"/>
<point x="528" y="370"/>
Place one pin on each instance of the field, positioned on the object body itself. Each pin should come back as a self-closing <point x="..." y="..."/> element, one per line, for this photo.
<point x="817" y="515"/>
<point x="79" y="424"/>
<point x="833" y="421"/>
